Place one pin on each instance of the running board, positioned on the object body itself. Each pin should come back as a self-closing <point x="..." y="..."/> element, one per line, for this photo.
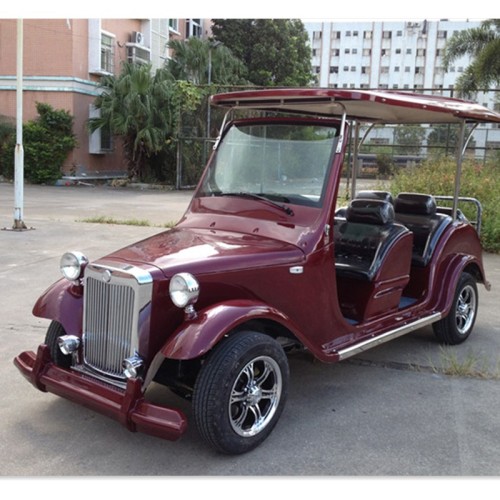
<point x="385" y="337"/>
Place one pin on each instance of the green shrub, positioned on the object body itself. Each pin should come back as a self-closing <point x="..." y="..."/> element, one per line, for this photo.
<point x="7" y="138"/>
<point x="47" y="141"/>
<point x="385" y="164"/>
<point x="481" y="181"/>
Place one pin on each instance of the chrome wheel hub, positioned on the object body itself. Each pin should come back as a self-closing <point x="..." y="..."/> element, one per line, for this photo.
<point x="466" y="309"/>
<point x="255" y="396"/>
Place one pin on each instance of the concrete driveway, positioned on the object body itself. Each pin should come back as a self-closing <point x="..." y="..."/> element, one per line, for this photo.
<point x="388" y="412"/>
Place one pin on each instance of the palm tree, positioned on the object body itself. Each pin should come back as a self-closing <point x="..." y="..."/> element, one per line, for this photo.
<point x="203" y="61"/>
<point x="142" y="108"/>
<point x="482" y="44"/>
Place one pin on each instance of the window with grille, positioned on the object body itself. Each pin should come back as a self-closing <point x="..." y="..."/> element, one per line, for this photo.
<point x="173" y="24"/>
<point x="194" y="28"/>
<point x="107" y="53"/>
<point x="101" y="140"/>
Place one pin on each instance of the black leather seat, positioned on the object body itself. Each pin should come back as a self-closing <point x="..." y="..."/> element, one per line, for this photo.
<point x="449" y="211"/>
<point x="372" y="259"/>
<point x="362" y="241"/>
<point x="418" y="212"/>
<point x="366" y="195"/>
<point x="375" y="195"/>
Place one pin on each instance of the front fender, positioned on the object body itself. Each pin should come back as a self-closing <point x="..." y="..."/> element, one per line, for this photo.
<point x="194" y="338"/>
<point x="62" y="302"/>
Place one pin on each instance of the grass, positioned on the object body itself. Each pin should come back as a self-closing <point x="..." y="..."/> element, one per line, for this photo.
<point x="103" y="219"/>
<point x="470" y="365"/>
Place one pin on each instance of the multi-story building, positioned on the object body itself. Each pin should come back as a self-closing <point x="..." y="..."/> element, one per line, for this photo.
<point x="391" y="55"/>
<point x="394" y="55"/>
<point x="63" y="61"/>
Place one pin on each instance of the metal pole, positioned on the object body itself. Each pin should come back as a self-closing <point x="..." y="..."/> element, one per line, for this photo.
<point x="19" y="151"/>
<point x="355" y="160"/>
<point x="212" y="46"/>
<point x="178" y="173"/>
<point x="209" y="83"/>
<point x="458" y="173"/>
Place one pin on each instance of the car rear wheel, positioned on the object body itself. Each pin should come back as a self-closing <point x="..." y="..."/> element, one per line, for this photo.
<point x="240" y="392"/>
<point x="457" y="326"/>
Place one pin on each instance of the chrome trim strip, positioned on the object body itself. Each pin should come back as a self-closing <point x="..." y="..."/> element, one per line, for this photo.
<point x="141" y="275"/>
<point x="385" y="337"/>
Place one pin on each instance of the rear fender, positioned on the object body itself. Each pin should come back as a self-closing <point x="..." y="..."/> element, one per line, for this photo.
<point x="62" y="302"/>
<point x="450" y="277"/>
<point x="196" y="337"/>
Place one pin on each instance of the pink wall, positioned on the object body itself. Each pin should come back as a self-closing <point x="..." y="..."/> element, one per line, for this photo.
<point x="58" y="48"/>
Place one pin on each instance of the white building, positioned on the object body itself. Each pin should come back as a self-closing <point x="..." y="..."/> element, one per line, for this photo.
<point x="396" y="55"/>
<point x="392" y="55"/>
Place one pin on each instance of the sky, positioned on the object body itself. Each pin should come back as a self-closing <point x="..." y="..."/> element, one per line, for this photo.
<point x="358" y="10"/>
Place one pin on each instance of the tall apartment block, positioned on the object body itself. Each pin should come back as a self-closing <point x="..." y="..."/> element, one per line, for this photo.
<point x="63" y="61"/>
<point x="388" y="55"/>
<point x="393" y="55"/>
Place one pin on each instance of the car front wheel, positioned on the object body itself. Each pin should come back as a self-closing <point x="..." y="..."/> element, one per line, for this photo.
<point x="458" y="324"/>
<point x="55" y="331"/>
<point x="240" y="392"/>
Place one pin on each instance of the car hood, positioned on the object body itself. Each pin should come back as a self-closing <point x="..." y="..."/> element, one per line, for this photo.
<point x="201" y="251"/>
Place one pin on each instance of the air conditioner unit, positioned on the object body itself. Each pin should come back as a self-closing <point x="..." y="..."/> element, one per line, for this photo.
<point x="137" y="37"/>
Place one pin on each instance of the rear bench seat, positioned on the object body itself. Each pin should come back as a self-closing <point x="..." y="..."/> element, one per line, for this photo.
<point x="418" y="212"/>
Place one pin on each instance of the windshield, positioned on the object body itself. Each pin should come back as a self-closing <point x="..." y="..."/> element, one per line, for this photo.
<point x="283" y="162"/>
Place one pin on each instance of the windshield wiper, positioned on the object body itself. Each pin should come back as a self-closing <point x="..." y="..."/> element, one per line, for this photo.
<point x="260" y="197"/>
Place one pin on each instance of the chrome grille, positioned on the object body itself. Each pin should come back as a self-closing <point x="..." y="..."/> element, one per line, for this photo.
<point x="108" y="325"/>
<point x="113" y="299"/>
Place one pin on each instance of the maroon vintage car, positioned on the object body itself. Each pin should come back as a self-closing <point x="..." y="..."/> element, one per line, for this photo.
<point x="262" y="262"/>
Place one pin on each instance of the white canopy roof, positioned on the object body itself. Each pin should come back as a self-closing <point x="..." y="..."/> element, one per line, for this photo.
<point x="372" y="106"/>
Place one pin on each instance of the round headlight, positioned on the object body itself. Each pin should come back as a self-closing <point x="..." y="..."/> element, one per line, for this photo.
<point x="72" y="265"/>
<point x="184" y="289"/>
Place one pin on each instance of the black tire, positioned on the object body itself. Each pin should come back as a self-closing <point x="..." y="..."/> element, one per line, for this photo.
<point x="240" y="392"/>
<point x="54" y="331"/>
<point x="456" y="327"/>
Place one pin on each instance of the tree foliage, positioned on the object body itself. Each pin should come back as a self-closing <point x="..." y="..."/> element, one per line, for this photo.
<point x="482" y="44"/>
<point x="143" y="109"/>
<point x="47" y="141"/>
<point x="445" y="139"/>
<point x="275" y="51"/>
<point x="194" y="58"/>
<point x="409" y="138"/>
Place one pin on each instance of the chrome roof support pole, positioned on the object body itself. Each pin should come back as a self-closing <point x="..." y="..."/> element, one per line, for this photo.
<point x="463" y="143"/>
<point x="458" y="172"/>
<point x="355" y="159"/>
<point x="223" y="126"/>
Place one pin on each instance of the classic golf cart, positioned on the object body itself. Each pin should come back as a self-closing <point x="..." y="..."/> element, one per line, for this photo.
<point x="261" y="263"/>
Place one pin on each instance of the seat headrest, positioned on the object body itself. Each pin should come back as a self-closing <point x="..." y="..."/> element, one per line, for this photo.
<point x="375" y="195"/>
<point x="370" y="212"/>
<point x="416" y="204"/>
